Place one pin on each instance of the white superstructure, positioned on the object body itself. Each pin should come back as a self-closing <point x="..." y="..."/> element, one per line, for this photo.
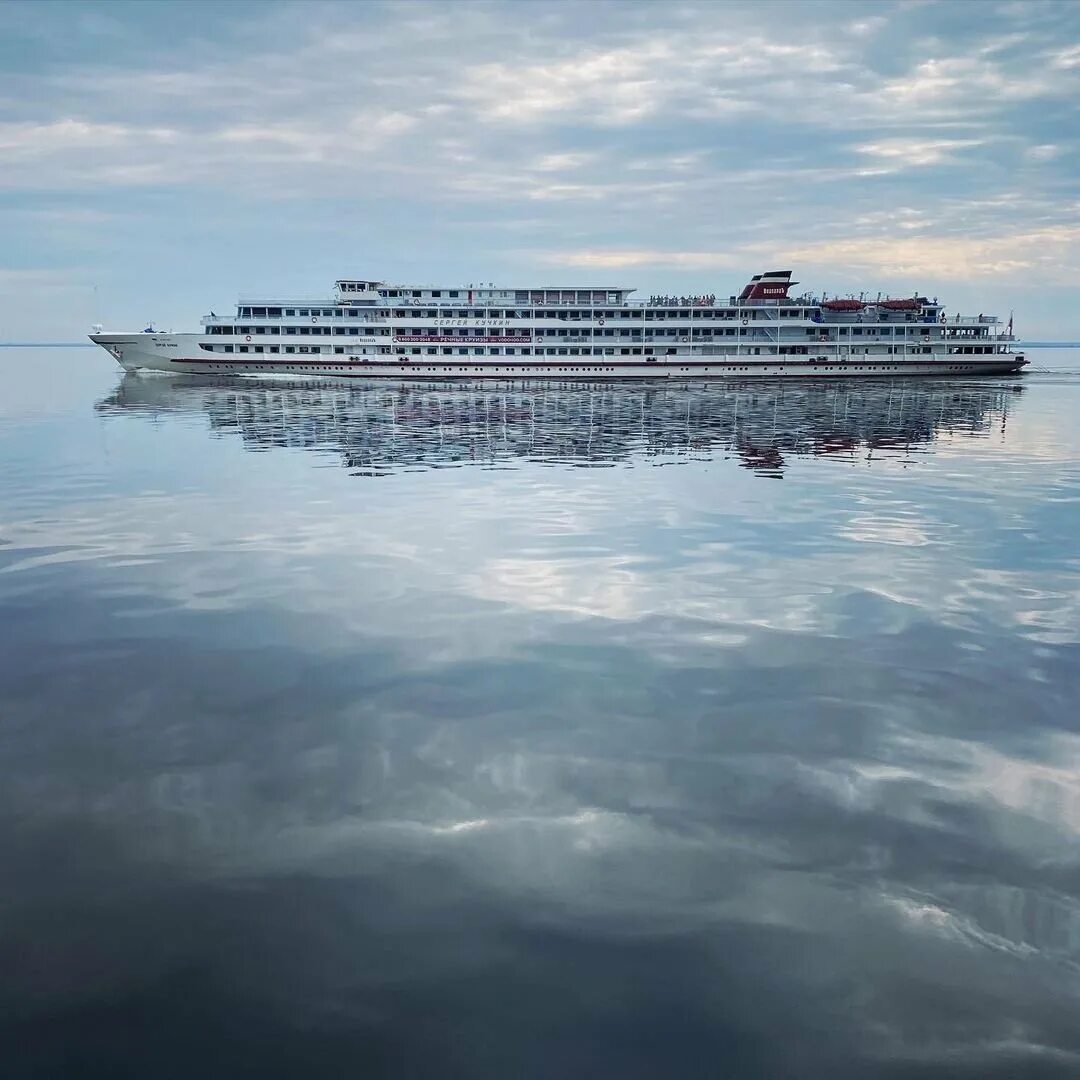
<point x="371" y="329"/>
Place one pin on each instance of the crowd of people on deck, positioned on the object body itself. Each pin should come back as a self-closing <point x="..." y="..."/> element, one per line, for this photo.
<point x="684" y="301"/>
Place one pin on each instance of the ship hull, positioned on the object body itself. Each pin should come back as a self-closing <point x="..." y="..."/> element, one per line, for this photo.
<point x="173" y="353"/>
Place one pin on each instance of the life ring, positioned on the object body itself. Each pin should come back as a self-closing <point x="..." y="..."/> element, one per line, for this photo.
<point x="600" y="322"/>
<point x="248" y="338"/>
<point x="746" y="322"/>
<point x="314" y="318"/>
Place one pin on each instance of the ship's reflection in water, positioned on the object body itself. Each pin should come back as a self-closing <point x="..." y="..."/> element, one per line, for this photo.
<point x="382" y="427"/>
<point x="572" y="746"/>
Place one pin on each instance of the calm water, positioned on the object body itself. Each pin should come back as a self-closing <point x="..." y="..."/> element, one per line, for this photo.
<point x="538" y="731"/>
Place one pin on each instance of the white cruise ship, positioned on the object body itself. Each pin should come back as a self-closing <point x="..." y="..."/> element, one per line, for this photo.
<point x="371" y="329"/>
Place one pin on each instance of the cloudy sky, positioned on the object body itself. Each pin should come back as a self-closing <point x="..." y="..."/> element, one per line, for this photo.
<point x="159" y="159"/>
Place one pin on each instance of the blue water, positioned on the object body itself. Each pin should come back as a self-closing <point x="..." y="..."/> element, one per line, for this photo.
<point x="538" y="731"/>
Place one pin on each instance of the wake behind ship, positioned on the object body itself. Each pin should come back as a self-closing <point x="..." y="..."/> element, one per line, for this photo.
<point x="371" y="329"/>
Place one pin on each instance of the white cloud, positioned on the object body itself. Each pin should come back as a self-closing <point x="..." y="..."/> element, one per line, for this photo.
<point x="1068" y="57"/>
<point x="27" y="141"/>
<point x="971" y="84"/>
<point x="699" y="74"/>
<point x="611" y="87"/>
<point x="866" y="27"/>
<point x="939" y="257"/>
<point x="562" y="162"/>
<point x="929" y="255"/>
<point x="629" y="258"/>
<point x="912" y="153"/>
<point x="683" y="162"/>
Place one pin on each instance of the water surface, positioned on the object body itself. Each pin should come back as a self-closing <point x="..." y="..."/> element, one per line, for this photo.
<point x="538" y="730"/>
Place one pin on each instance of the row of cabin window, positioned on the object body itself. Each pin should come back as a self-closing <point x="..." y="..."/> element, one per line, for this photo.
<point x="383" y="331"/>
<point x="804" y="350"/>
<point x="301" y="331"/>
<point x="440" y="313"/>
<point x="565" y="314"/>
<point x="798" y="350"/>
<point x="513" y="351"/>
<point x="521" y="296"/>
<point x="463" y="331"/>
<point x="874" y="331"/>
<point x="445" y="351"/>
<point x="277" y="313"/>
<point x="562" y="314"/>
<point x="264" y="349"/>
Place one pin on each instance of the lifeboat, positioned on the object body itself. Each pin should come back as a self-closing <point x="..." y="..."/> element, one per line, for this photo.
<point x="899" y="305"/>
<point x="843" y="305"/>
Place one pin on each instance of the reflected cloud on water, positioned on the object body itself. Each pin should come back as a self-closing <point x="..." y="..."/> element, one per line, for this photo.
<point x="555" y="761"/>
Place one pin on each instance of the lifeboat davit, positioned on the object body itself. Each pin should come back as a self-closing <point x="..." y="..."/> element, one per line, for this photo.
<point x="843" y="305"/>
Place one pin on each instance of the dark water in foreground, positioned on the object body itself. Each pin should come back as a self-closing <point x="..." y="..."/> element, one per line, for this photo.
<point x="538" y="731"/>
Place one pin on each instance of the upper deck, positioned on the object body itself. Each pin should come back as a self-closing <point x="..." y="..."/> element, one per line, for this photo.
<point x="763" y="301"/>
<point x="357" y="291"/>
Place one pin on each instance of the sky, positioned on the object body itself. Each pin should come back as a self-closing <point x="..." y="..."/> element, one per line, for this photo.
<point x="160" y="160"/>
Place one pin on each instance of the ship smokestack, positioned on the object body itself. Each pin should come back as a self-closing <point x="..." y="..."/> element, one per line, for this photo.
<point x="771" y="286"/>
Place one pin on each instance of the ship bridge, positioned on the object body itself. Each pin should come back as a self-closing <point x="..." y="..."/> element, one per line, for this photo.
<point x="356" y="289"/>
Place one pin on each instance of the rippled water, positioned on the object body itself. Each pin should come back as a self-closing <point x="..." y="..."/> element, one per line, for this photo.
<point x="538" y="731"/>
